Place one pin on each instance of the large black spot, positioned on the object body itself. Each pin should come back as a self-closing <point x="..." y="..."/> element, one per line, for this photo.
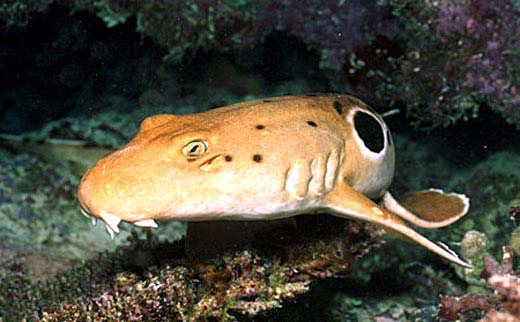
<point x="370" y="131"/>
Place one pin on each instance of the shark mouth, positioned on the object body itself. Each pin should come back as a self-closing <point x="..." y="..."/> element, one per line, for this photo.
<point x="112" y="221"/>
<point x="87" y="213"/>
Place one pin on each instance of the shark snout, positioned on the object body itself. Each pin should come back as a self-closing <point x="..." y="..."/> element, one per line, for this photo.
<point x="91" y="206"/>
<point x="111" y="197"/>
<point x="85" y="191"/>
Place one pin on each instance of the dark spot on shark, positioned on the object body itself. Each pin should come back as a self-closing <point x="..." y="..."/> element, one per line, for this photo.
<point x="268" y="101"/>
<point x="228" y="158"/>
<point x="257" y="158"/>
<point x="312" y="123"/>
<point x="370" y="131"/>
<point x="260" y="127"/>
<point x="338" y="107"/>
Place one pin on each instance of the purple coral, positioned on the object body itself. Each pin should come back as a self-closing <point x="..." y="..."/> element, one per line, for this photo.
<point x="334" y="27"/>
<point x="503" y="305"/>
<point x="459" y="56"/>
<point x="488" y="33"/>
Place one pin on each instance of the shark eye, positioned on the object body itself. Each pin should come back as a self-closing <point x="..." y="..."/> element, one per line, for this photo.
<point x="195" y="148"/>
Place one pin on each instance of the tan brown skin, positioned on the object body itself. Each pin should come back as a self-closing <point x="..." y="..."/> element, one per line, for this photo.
<point x="153" y="169"/>
<point x="258" y="160"/>
<point x="432" y="208"/>
<point x="427" y="208"/>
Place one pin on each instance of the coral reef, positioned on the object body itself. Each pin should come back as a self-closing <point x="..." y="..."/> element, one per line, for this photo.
<point x="151" y="280"/>
<point x="461" y="58"/>
<point x="94" y="80"/>
<point x="444" y="61"/>
<point x="501" y="305"/>
<point x="189" y="26"/>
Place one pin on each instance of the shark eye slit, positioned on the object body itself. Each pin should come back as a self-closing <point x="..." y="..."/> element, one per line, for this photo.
<point x="312" y="123"/>
<point x="195" y="148"/>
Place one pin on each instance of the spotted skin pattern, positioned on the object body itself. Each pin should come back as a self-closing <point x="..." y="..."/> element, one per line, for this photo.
<point x="257" y="160"/>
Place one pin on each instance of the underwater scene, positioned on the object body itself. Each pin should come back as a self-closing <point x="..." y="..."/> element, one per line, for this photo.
<point x="239" y="160"/>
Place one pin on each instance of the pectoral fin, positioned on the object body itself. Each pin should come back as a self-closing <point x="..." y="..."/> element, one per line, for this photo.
<point x="428" y="209"/>
<point x="346" y="202"/>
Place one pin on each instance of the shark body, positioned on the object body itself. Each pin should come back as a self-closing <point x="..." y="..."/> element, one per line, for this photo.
<point x="263" y="160"/>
